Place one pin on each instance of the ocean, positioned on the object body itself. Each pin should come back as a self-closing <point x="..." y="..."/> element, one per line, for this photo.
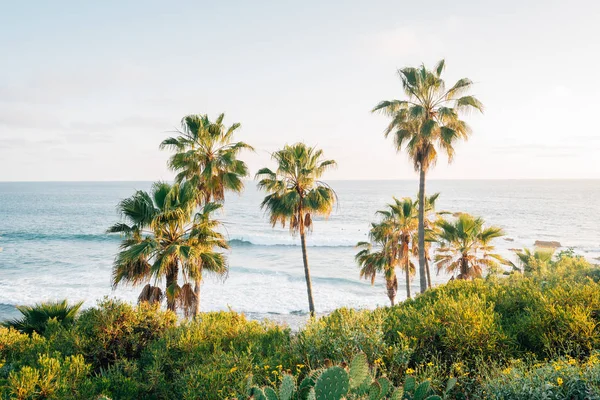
<point x="54" y="246"/>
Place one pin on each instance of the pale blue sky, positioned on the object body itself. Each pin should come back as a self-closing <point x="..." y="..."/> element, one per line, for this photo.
<point x="89" y="89"/>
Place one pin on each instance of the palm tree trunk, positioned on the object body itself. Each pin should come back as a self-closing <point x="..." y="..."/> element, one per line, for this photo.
<point x="392" y="288"/>
<point x="197" y="293"/>
<point x="422" y="276"/>
<point x="407" y="270"/>
<point x="428" y="273"/>
<point x="171" y="280"/>
<point x="311" y="304"/>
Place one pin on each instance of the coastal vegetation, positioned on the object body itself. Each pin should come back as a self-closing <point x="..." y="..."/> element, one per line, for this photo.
<point x="496" y="330"/>
<point x="518" y="337"/>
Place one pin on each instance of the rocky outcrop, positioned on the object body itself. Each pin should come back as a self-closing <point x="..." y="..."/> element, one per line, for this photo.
<point x="547" y="244"/>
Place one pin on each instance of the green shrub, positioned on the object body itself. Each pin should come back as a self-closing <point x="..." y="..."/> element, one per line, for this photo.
<point x="35" y="318"/>
<point x="50" y="378"/>
<point x="115" y="331"/>
<point x="210" y="356"/>
<point x="343" y="333"/>
<point x="454" y="326"/>
<point x="561" y="379"/>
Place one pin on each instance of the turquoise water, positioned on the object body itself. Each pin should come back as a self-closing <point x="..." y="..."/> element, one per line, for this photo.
<point x="54" y="245"/>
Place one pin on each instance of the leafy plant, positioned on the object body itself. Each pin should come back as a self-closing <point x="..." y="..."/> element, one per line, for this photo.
<point x="35" y="318"/>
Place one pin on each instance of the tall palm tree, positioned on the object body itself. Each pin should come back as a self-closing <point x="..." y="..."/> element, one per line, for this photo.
<point x="296" y="194"/>
<point x="427" y="122"/>
<point x="163" y="237"/>
<point x="465" y="247"/>
<point x="207" y="157"/>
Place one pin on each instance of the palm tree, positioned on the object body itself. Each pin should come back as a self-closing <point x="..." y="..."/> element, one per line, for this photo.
<point x="426" y="123"/>
<point x="206" y="156"/>
<point x="163" y="237"/>
<point x="538" y="260"/>
<point x="295" y="194"/>
<point x="394" y="236"/>
<point x="372" y="262"/>
<point x="465" y="247"/>
<point x="35" y="318"/>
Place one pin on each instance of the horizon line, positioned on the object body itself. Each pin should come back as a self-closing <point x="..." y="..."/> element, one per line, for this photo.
<point x="331" y="180"/>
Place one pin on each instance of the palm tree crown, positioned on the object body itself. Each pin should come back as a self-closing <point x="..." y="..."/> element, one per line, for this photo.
<point x="295" y="191"/>
<point x="163" y="237"/>
<point x="429" y="118"/>
<point x="206" y="156"/>
<point x="465" y="247"/>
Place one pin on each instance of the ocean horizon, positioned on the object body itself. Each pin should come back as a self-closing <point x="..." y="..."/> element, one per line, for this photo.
<point x="55" y="246"/>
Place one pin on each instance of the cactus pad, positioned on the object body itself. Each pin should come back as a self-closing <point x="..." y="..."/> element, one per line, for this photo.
<point x="332" y="384"/>
<point x="359" y="370"/>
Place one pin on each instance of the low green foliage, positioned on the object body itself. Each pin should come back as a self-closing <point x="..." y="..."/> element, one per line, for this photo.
<point x="510" y="337"/>
<point x="35" y="318"/>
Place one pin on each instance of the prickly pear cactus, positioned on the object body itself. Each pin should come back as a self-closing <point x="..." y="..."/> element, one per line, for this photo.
<point x="359" y="370"/>
<point x="386" y="387"/>
<point x="287" y="387"/>
<point x="422" y="391"/>
<point x="375" y="391"/>
<point x="270" y="394"/>
<point x="257" y="393"/>
<point x="409" y="384"/>
<point x="398" y="394"/>
<point x="332" y="384"/>
<point x="305" y="386"/>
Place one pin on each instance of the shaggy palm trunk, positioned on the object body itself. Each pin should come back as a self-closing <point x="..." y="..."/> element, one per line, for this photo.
<point x="171" y="281"/>
<point x="422" y="275"/>
<point x="464" y="267"/>
<point x="428" y="273"/>
<point x="407" y="270"/>
<point x="197" y="293"/>
<point x="311" y="304"/>
<point x="392" y="288"/>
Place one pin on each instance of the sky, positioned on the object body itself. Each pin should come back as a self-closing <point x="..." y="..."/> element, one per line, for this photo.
<point x="88" y="90"/>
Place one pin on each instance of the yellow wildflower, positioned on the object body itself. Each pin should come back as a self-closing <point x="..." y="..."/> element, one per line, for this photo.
<point x="410" y="371"/>
<point x="507" y="371"/>
<point x="559" y="381"/>
<point x="232" y="370"/>
<point x="572" y="361"/>
<point x="557" y="367"/>
<point x="430" y="364"/>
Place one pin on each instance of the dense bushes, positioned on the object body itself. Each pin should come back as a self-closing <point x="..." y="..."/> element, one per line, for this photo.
<point x="495" y="336"/>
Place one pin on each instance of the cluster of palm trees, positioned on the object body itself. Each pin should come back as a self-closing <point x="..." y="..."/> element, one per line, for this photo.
<point x="170" y="235"/>
<point x="464" y="245"/>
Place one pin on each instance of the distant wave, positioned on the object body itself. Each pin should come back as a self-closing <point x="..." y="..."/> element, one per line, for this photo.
<point x="236" y="242"/>
<point x="86" y="237"/>
<point x="300" y="278"/>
